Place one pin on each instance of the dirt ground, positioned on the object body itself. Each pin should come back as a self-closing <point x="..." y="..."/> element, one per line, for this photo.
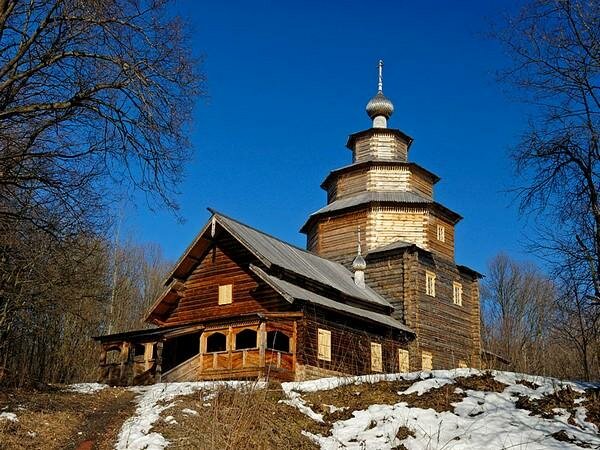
<point x="56" y="419"/>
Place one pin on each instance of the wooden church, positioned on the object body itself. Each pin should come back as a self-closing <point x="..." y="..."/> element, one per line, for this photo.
<point x="376" y="290"/>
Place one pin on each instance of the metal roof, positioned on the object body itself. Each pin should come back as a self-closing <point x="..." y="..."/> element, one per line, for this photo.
<point x="273" y="251"/>
<point x="372" y="196"/>
<point x="293" y="292"/>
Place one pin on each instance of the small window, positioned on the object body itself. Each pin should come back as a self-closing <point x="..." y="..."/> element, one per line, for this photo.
<point x="139" y="349"/>
<point x="276" y="340"/>
<point x="426" y="361"/>
<point x="225" y="294"/>
<point x="376" y="360"/>
<point x="457" y="293"/>
<point x="441" y="233"/>
<point x="462" y="364"/>
<point x="216" y="342"/>
<point x="245" y="339"/>
<point x="430" y="283"/>
<point x="324" y="345"/>
<point x="403" y="360"/>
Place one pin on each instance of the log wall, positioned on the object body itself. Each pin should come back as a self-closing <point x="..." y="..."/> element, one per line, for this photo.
<point x="200" y="294"/>
<point x="381" y="145"/>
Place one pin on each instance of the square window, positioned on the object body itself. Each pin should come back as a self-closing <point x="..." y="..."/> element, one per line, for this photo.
<point x="403" y="361"/>
<point x="457" y="293"/>
<point x="426" y="361"/>
<point x="430" y="283"/>
<point x="324" y="344"/>
<point x="441" y="233"/>
<point x="462" y="364"/>
<point x="376" y="359"/>
<point x="225" y="294"/>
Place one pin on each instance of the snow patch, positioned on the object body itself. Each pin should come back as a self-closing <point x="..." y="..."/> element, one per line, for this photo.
<point x="11" y="417"/>
<point x="135" y="433"/>
<point x="86" y="388"/>
<point x="189" y="412"/>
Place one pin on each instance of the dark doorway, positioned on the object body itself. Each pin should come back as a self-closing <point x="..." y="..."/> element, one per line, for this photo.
<point x="245" y="339"/>
<point x="276" y="340"/>
<point x="216" y="342"/>
<point x="180" y="349"/>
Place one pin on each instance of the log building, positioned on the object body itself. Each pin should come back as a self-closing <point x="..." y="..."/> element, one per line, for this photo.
<point x="377" y="290"/>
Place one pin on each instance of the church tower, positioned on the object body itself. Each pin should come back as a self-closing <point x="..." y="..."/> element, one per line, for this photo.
<point x="388" y="197"/>
<point x="407" y="239"/>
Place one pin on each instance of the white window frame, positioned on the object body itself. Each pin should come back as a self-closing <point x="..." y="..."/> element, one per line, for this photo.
<point x="403" y="360"/>
<point x="457" y="292"/>
<point x="225" y="294"/>
<point x="426" y="361"/>
<point x="430" y="283"/>
<point x="324" y="344"/>
<point x="376" y="357"/>
<point x="441" y="233"/>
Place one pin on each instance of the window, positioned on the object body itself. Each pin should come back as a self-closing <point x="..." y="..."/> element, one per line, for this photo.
<point x="139" y="349"/>
<point x="430" y="283"/>
<point x="462" y="364"/>
<point x="216" y="342"/>
<point x="376" y="360"/>
<point x="324" y="345"/>
<point x="457" y="293"/>
<point x="441" y="233"/>
<point x="276" y="340"/>
<point x="403" y="360"/>
<point x="426" y="361"/>
<point x="225" y="296"/>
<point x="245" y="339"/>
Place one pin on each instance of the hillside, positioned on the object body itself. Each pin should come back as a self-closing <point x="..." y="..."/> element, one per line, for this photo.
<point x="458" y="409"/>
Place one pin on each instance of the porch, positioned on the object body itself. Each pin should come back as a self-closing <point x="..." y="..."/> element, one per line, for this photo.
<point x="260" y="348"/>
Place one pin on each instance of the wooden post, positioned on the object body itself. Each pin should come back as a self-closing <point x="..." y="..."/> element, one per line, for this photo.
<point x="158" y="373"/>
<point x="262" y="343"/>
<point x="102" y="372"/>
<point x="124" y="362"/>
<point x="148" y="350"/>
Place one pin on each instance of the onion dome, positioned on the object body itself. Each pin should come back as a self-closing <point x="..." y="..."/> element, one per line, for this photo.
<point x="380" y="105"/>
<point x="359" y="263"/>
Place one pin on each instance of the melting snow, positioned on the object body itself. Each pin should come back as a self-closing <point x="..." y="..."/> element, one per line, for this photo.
<point x="86" y="388"/>
<point x="482" y="420"/>
<point x="135" y="433"/>
<point x="12" y="417"/>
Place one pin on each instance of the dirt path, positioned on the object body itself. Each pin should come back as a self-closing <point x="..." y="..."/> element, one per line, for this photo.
<point x="57" y="419"/>
<point x="100" y="426"/>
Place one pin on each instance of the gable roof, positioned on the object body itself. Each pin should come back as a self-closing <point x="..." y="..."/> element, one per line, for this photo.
<point x="275" y="253"/>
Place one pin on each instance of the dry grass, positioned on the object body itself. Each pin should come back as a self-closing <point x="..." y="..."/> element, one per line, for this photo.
<point x="355" y="398"/>
<point x="234" y="419"/>
<point x="55" y="419"/>
<point x="564" y="398"/>
<point x="483" y="382"/>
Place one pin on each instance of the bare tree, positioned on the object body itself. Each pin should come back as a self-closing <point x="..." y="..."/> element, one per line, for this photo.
<point x="95" y="96"/>
<point x="555" y="45"/>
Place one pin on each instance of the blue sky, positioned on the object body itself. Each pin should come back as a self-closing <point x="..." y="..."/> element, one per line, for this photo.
<point x="287" y="83"/>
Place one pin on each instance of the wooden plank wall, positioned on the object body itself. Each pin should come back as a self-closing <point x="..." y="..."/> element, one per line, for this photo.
<point x="446" y="248"/>
<point x="200" y="297"/>
<point x="390" y="224"/>
<point x="450" y="332"/>
<point x="350" y="343"/>
<point x="336" y="238"/>
<point x="382" y="145"/>
<point x="385" y="275"/>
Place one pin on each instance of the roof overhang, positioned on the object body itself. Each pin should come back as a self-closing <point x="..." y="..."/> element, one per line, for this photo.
<point x="436" y="207"/>
<point x="377" y="162"/>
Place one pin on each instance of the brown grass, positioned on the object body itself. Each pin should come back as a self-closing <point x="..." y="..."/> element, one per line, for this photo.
<point x="236" y="419"/>
<point x="56" y="419"/>
<point x="355" y="397"/>
<point x="483" y="382"/>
